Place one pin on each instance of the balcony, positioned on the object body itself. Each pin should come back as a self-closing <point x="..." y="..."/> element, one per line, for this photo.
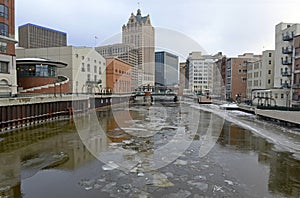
<point x="287" y="61"/>
<point x="286" y="74"/>
<point x="286" y="85"/>
<point x="288" y="36"/>
<point x="287" y="50"/>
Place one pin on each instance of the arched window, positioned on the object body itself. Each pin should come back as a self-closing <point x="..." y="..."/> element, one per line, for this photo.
<point x="3" y="29"/>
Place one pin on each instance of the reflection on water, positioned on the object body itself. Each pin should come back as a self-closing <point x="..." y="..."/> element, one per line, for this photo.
<point x="50" y="159"/>
<point x="284" y="170"/>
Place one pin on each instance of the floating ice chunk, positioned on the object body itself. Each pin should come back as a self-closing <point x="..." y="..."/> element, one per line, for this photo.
<point x="110" y="166"/>
<point x="228" y="182"/>
<point x="180" y="162"/>
<point x="160" y="180"/>
<point x="218" y="188"/>
<point x="88" y="188"/>
<point x="141" y="174"/>
<point x="200" y="185"/>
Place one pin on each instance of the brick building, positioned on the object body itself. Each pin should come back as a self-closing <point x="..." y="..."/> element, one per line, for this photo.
<point x="118" y="75"/>
<point x="8" y="78"/>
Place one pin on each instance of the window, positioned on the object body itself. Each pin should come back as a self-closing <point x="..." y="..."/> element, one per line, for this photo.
<point x="276" y="95"/>
<point x="282" y="96"/>
<point x="100" y="70"/>
<point x="82" y="68"/>
<point x="95" y="78"/>
<point x="270" y="62"/>
<point x="89" y="77"/>
<point x="270" y="54"/>
<point x="269" y="81"/>
<point x="88" y="68"/>
<point x="270" y="71"/>
<point x="4" y="11"/>
<point x="3" y="29"/>
<point x="95" y="69"/>
<point x="3" y="47"/>
<point x="4" y="67"/>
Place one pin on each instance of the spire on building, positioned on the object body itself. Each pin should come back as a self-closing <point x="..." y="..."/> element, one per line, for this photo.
<point x="139" y="12"/>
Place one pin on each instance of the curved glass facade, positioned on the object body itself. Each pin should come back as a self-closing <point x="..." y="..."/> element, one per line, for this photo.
<point x="36" y="71"/>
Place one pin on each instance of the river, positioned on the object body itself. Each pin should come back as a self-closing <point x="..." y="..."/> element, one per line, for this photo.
<point x="163" y="150"/>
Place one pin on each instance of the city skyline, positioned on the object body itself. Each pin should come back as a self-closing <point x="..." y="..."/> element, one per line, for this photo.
<point x="234" y="27"/>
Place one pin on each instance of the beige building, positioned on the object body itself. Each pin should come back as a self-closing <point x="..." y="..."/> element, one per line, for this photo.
<point x="85" y="70"/>
<point x="35" y="36"/>
<point x="139" y="32"/>
<point x="260" y="73"/>
<point x="125" y="52"/>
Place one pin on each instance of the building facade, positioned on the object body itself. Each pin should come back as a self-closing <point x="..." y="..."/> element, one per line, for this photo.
<point x="219" y="76"/>
<point x="8" y="76"/>
<point x="260" y="73"/>
<point x="236" y="75"/>
<point x="182" y="78"/>
<point x="139" y="32"/>
<point x="35" y="36"/>
<point x="284" y="48"/>
<point x="118" y="75"/>
<point x="166" y="69"/>
<point x="85" y="66"/>
<point x="125" y="52"/>
<point x="296" y="72"/>
<point x="200" y="72"/>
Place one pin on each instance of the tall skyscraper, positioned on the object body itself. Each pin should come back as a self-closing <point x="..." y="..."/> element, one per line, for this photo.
<point x="8" y="75"/>
<point x="139" y="32"/>
<point x="34" y="36"/>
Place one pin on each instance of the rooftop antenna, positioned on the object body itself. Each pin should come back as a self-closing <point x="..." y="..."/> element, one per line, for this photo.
<point x="139" y="7"/>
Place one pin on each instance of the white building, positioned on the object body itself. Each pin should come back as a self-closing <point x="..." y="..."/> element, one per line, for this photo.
<point x="200" y="71"/>
<point x="284" y="51"/>
<point x="86" y="67"/>
<point x="260" y="73"/>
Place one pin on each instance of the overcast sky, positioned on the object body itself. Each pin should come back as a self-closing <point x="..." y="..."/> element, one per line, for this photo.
<point x="231" y="26"/>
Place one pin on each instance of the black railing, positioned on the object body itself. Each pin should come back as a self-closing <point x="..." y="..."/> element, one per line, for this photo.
<point x="288" y="36"/>
<point x="287" y="62"/>
<point x="287" y="50"/>
<point x="286" y="74"/>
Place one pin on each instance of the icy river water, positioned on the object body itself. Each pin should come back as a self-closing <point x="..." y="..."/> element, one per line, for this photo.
<point x="164" y="150"/>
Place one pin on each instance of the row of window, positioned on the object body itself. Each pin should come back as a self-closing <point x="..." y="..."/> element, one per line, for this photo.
<point x="88" y="68"/>
<point x="121" y="72"/>
<point x="36" y="71"/>
<point x="89" y="59"/>
<point x="267" y="95"/>
<point x="95" y="78"/>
